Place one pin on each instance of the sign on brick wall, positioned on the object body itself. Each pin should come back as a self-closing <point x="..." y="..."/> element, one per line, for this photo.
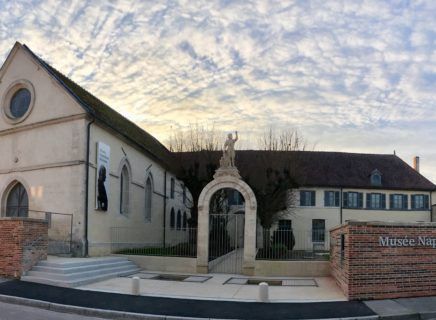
<point x="381" y="260"/>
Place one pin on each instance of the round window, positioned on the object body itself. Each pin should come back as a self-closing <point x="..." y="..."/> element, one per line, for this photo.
<point x="17" y="102"/>
<point x="20" y="103"/>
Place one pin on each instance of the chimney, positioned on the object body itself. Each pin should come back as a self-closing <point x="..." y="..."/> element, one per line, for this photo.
<point x="416" y="163"/>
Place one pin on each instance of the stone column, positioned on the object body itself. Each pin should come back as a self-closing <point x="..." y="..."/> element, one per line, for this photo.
<point x="203" y="239"/>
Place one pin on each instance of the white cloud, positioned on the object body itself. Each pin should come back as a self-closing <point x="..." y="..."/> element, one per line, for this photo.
<point x="353" y="75"/>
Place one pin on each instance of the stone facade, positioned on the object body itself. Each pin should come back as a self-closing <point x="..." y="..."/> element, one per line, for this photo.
<point x="23" y="242"/>
<point x="384" y="260"/>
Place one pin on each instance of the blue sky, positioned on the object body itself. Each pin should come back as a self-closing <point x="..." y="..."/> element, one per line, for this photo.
<point x="355" y="76"/>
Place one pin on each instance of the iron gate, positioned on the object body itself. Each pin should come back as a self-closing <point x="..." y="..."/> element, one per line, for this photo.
<point x="226" y="243"/>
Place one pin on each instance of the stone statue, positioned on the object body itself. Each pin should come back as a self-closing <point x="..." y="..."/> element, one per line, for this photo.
<point x="228" y="159"/>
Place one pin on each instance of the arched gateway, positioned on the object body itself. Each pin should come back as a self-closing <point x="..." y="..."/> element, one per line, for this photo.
<point x="227" y="177"/>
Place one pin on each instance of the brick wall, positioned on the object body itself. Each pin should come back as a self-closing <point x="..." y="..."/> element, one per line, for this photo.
<point x="369" y="266"/>
<point x="23" y="242"/>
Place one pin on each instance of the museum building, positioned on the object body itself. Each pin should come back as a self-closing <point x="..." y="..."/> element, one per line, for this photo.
<point x="71" y="159"/>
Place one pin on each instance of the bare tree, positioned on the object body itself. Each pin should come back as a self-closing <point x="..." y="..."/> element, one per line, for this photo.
<point x="196" y="138"/>
<point x="285" y="140"/>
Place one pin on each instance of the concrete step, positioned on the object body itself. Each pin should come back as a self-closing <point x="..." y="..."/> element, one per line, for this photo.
<point x="78" y="282"/>
<point x="79" y="275"/>
<point x="68" y="269"/>
<point x="78" y="271"/>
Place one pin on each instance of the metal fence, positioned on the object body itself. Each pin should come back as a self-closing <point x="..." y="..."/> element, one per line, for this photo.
<point x="60" y="230"/>
<point x="154" y="242"/>
<point x="288" y="244"/>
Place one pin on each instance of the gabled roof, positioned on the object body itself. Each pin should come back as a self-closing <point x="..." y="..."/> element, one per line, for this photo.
<point x="317" y="169"/>
<point x="108" y="116"/>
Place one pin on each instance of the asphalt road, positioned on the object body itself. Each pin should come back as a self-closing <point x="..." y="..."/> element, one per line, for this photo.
<point x="15" y="311"/>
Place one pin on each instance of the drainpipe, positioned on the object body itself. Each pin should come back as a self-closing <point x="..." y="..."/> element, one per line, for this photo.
<point x="88" y="141"/>
<point x="165" y="209"/>
<point x="340" y="207"/>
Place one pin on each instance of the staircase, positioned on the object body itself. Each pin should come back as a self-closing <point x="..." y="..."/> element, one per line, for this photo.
<point x="73" y="272"/>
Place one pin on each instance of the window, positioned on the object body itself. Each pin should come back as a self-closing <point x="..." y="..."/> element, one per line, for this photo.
<point x="184" y="194"/>
<point x="353" y="200"/>
<point x="318" y="230"/>
<point x="398" y="201"/>
<point x="185" y="221"/>
<point x="18" y="101"/>
<point x="148" y="199"/>
<point x="376" y="178"/>
<point x="124" y="190"/>
<point x="342" y="247"/>
<point x="375" y="201"/>
<point x="17" y="203"/>
<point x="179" y="220"/>
<point x="420" y="202"/>
<point x="172" y="219"/>
<point x="331" y="198"/>
<point x="307" y="198"/>
<point x="172" y="188"/>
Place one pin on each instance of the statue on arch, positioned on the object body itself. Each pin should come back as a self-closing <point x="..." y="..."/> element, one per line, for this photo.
<point x="228" y="158"/>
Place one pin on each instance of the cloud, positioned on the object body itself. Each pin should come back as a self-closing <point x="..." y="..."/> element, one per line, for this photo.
<point x="352" y="75"/>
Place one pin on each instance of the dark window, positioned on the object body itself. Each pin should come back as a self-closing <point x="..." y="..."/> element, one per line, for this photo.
<point x="375" y="201"/>
<point x="342" y="247"/>
<point x="331" y="198"/>
<point x="148" y="199"/>
<point x="172" y="186"/>
<point x="318" y="230"/>
<point x="124" y="190"/>
<point x="17" y="204"/>
<point x="398" y="202"/>
<point x="179" y="220"/>
<point x="307" y="198"/>
<point x="353" y="200"/>
<point x="172" y="219"/>
<point x="20" y="103"/>
<point x="184" y="194"/>
<point x="376" y="179"/>
<point x="185" y="221"/>
<point x="420" y="202"/>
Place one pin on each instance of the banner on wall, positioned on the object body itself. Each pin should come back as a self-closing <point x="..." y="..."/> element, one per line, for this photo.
<point x="103" y="167"/>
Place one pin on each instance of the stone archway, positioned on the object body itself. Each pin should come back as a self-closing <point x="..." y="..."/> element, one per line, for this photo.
<point x="231" y="181"/>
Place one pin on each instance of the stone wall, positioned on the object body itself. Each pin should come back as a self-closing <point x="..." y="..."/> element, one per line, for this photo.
<point x="23" y="242"/>
<point x="382" y="260"/>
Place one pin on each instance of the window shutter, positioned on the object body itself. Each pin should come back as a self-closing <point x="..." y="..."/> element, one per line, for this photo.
<point x="368" y="200"/>
<point x="413" y="202"/>
<point x="425" y="201"/>
<point x="360" y="200"/>
<point x="391" y="201"/>
<point x="337" y="198"/>
<point x="405" y="202"/>
<point x="383" y="201"/>
<point x="312" y="198"/>
<point x="326" y="194"/>
<point x="302" y="198"/>
<point x="345" y="200"/>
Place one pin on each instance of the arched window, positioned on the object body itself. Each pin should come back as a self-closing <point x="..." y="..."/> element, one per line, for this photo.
<point x="172" y="219"/>
<point x="179" y="220"/>
<point x="185" y="221"/>
<point x="148" y="198"/>
<point x="17" y="203"/>
<point x="124" y="190"/>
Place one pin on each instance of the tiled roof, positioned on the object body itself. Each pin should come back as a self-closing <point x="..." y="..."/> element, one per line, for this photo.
<point x="318" y="169"/>
<point x="102" y="112"/>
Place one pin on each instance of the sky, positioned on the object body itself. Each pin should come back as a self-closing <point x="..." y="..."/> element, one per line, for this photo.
<point x="354" y="76"/>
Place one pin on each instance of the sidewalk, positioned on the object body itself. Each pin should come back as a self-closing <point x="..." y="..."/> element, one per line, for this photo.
<point x="51" y="297"/>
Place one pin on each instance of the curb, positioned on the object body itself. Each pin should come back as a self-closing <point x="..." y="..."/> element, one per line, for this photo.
<point x="89" y="312"/>
<point x="112" y="314"/>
